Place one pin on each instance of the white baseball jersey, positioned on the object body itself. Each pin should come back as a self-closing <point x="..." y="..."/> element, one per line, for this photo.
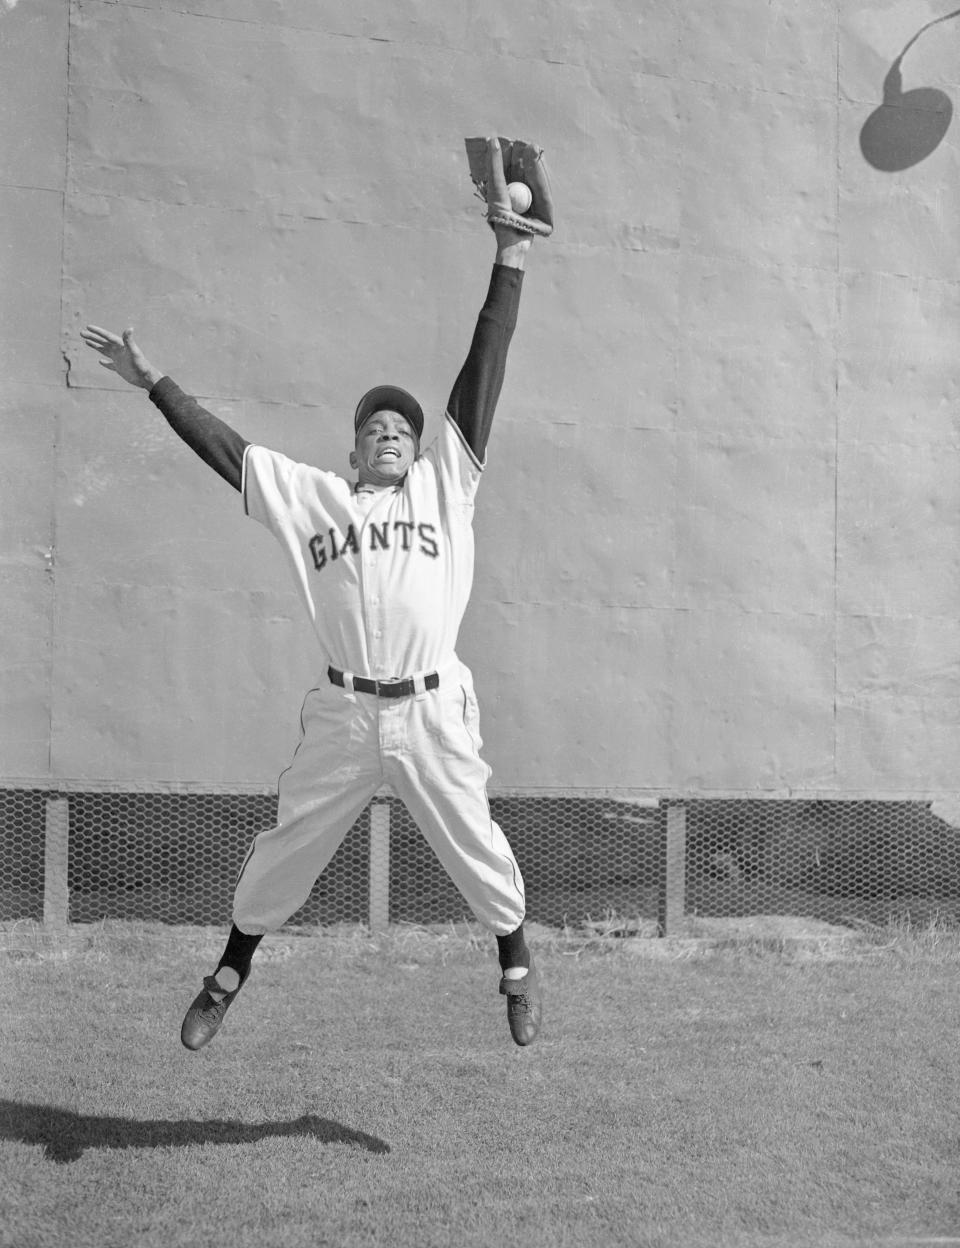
<point x="385" y="574"/>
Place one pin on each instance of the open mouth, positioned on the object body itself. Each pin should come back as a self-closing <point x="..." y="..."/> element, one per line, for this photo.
<point x="388" y="452"/>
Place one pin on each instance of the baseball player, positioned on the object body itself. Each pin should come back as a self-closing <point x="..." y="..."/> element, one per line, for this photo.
<point x="384" y="567"/>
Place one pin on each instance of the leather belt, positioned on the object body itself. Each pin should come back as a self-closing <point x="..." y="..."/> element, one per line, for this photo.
<point x="384" y="688"/>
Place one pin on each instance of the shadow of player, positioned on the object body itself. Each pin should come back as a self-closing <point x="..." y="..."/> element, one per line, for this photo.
<point x="65" y="1134"/>
<point x="908" y="125"/>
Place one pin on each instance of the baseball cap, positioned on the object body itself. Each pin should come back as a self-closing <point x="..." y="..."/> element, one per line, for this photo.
<point x="389" y="398"/>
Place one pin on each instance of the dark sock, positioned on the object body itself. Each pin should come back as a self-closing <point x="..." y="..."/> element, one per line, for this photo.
<point x="239" y="951"/>
<point x="512" y="949"/>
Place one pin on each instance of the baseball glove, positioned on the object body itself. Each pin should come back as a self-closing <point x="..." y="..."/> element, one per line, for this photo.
<point x="495" y="164"/>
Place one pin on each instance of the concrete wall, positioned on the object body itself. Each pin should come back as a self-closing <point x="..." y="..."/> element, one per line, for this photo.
<point x="719" y="535"/>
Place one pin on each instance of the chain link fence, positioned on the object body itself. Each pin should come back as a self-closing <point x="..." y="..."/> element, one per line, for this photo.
<point x="173" y="858"/>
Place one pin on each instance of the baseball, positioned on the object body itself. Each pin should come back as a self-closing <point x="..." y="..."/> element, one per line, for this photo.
<point x="521" y="197"/>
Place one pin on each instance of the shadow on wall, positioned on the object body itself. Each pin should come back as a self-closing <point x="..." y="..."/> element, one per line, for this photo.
<point x="907" y="126"/>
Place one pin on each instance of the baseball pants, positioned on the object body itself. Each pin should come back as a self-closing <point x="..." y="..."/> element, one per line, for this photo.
<point x="426" y="748"/>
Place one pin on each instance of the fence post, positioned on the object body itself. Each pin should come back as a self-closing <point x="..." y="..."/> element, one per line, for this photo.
<point x="379" y="898"/>
<point x="56" y="854"/>
<point x="673" y="869"/>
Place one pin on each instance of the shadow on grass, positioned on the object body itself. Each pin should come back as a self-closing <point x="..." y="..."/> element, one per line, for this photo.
<point x="64" y="1134"/>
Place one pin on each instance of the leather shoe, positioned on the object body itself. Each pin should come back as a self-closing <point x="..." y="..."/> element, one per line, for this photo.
<point x="202" y="1021"/>
<point x="524" y="1005"/>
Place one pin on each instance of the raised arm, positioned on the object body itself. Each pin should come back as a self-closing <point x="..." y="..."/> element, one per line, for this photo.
<point x="476" y="391"/>
<point x="213" y="440"/>
<point x="473" y="399"/>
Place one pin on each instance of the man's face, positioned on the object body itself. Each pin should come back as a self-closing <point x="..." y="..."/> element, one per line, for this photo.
<point x="387" y="445"/>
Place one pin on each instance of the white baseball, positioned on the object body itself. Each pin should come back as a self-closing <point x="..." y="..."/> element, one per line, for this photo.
<point x="521" y="197"/>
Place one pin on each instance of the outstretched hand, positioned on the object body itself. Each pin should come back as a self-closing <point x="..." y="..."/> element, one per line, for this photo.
<point x="498" y="198"/>
<point x="123" y="356"/>
<point x="494" y="164"/>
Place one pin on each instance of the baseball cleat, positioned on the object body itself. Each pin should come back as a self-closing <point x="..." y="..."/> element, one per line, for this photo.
<point x="524" y="1005"/>
<point x="202" y="1021"/>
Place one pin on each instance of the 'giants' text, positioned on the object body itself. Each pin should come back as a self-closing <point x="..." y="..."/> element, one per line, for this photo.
<point x="403" y="535"/>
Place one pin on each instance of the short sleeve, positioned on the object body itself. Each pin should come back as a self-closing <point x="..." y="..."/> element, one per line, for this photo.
<point x="268" y="485"/>
<point x="458" y="469"/>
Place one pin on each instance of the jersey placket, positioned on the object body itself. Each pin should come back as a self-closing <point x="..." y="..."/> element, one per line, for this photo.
<point x="373" y="573"/>
<point x="374" y="576"/>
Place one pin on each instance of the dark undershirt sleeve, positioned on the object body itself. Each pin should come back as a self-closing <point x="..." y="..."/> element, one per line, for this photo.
<point x="213" y="440"/>
<point x="473" y="399"/>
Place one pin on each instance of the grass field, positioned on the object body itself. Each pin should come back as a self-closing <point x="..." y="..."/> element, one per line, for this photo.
<point x="364" y="1091"/>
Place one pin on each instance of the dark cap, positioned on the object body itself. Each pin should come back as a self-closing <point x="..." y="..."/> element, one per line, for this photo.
<point x="389" y="399"/>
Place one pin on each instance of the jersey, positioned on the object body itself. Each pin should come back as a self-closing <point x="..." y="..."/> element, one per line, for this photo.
<point x="385" y="574"/>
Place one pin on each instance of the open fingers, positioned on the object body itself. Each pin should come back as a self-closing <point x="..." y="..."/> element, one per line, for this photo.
<point x="93" y="333"/>
<point x="103" y="345"/>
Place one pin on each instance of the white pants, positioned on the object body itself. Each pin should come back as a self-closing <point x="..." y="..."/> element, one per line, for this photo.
<point x="426" y="748"/>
